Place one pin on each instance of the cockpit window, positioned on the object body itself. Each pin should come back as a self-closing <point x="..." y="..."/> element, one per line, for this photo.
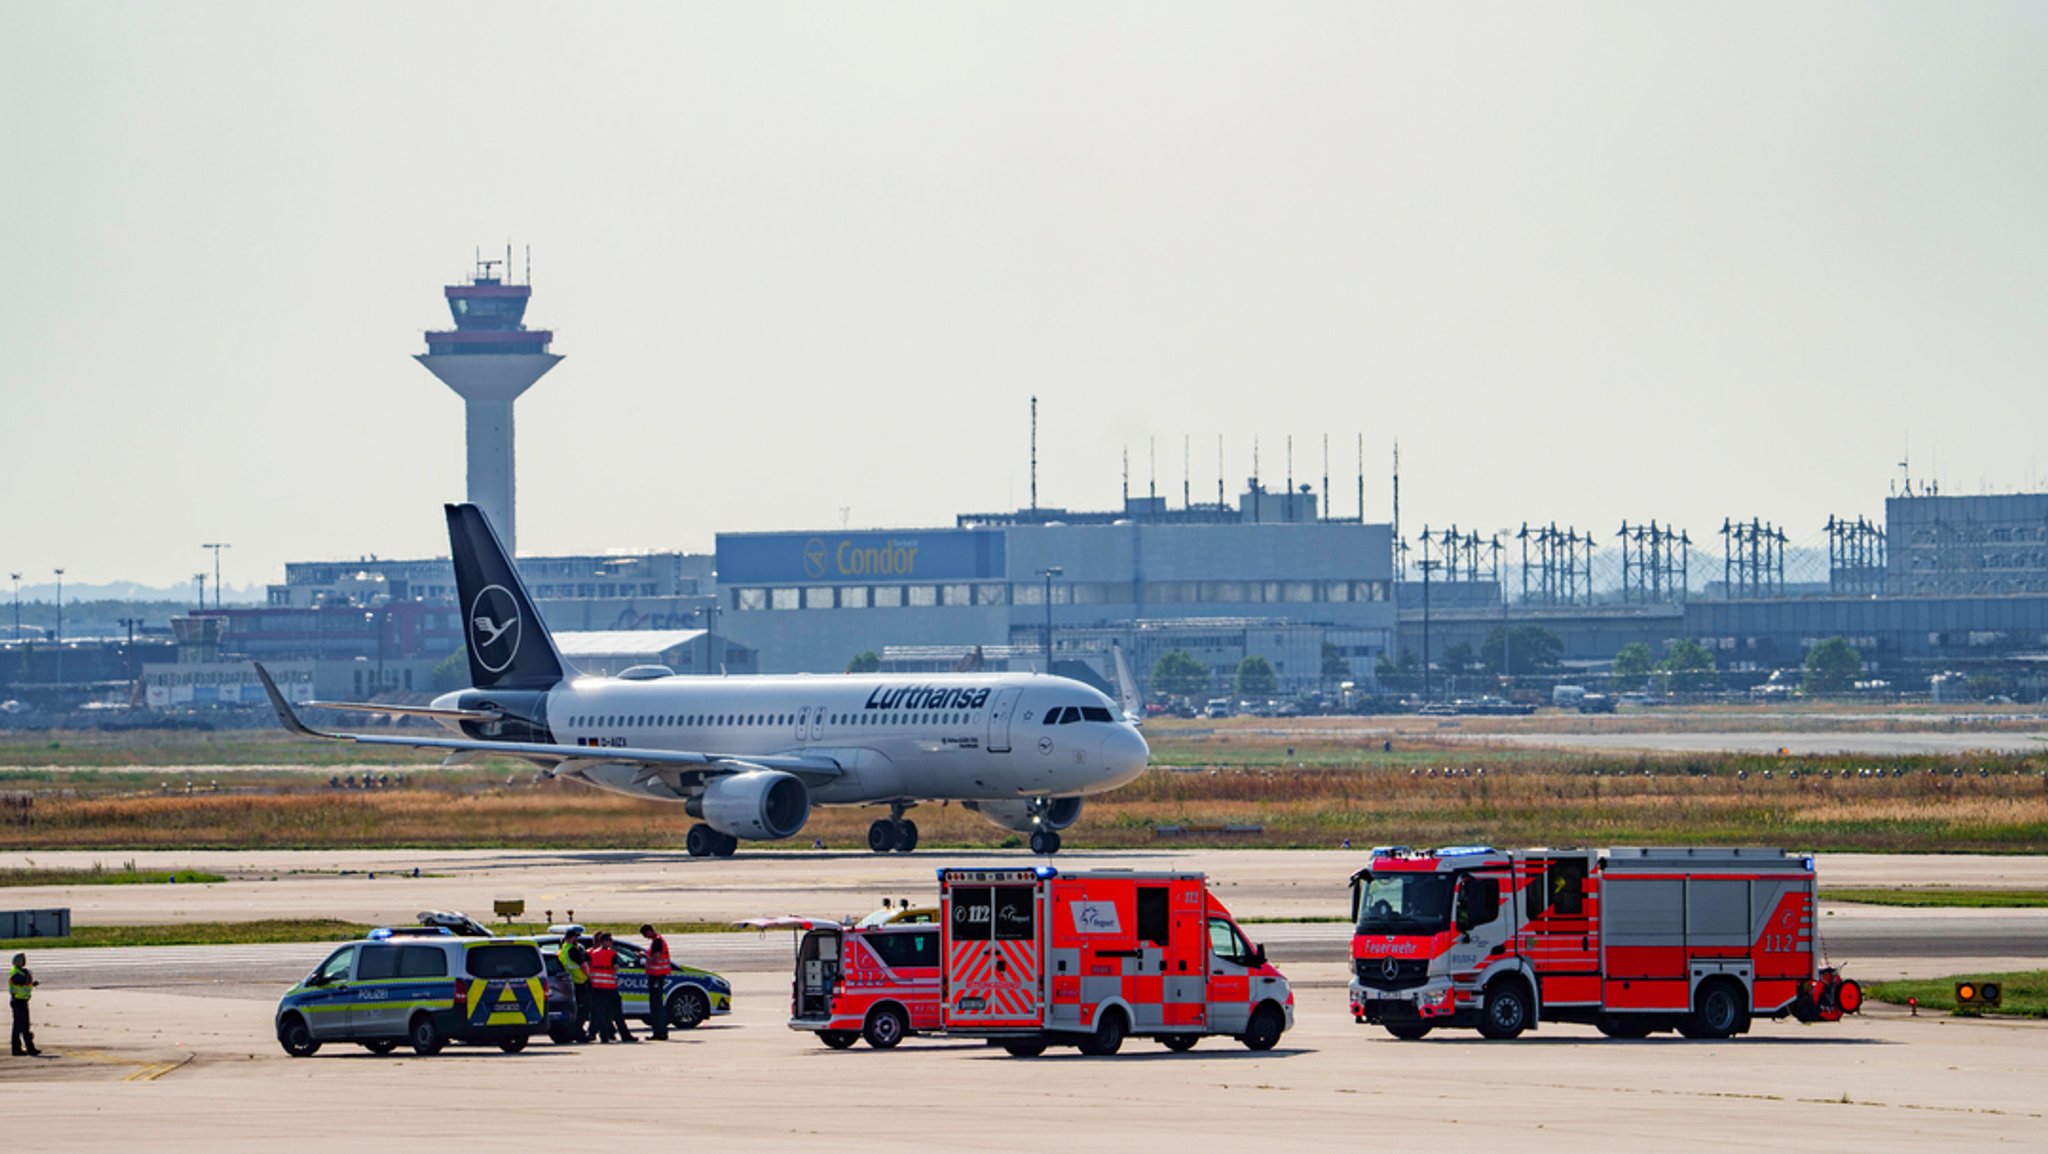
<point x="1095" y="713"/>
<point x="1053" y="715"/>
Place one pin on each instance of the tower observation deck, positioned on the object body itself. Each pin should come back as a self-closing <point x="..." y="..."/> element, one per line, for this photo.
<point x="489" y="358"/>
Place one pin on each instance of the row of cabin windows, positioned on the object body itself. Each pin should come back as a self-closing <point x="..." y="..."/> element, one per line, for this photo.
<point x="693" y="720"/>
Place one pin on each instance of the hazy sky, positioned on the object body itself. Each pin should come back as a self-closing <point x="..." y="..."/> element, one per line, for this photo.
<point x="1587" y="263"/>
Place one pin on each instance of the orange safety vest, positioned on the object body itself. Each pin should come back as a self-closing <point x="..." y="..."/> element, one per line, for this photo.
<point x="658" y="965"/>
<point x="604" y="969"/>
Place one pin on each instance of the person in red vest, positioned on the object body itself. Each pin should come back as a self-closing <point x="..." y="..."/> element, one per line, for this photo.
<point x="658" y="969"/>
<point x="607" y="1014"/>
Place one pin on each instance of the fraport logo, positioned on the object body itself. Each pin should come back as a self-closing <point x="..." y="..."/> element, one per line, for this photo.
<point x="494" y="628"/>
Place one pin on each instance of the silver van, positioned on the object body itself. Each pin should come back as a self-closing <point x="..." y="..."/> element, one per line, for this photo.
<point x="422" y="990"/>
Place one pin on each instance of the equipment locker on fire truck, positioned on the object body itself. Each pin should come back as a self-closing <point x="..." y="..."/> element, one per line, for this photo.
<point x="1629" y="940"/>
<point x="1038" y="958"/>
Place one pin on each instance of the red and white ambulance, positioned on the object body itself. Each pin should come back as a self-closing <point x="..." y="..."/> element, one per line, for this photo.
<point x="877" y="980"/>
<point x="1037" y="958"/>
<point x="1629" y="940"/>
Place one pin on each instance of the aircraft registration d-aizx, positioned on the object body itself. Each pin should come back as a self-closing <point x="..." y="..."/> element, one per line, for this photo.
<point x="750" y="755"/>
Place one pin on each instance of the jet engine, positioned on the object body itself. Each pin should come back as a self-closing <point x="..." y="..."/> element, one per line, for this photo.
<point x="758" y="805"/>
<point x="1052" y="813"/>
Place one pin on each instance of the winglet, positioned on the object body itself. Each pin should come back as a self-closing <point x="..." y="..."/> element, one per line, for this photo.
<point x="285" y="714"/>
<point x="1126" y="686"/>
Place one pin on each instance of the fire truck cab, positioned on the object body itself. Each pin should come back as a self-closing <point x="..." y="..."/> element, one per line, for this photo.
<point x="1634" y="940"/>
<point x="1037" y="958"/>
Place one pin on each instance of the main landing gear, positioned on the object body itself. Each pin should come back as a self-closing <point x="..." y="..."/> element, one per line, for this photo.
<point x="703" y="841"/>
<point x="894" y="832"/>
<point x="1045" y="841"/>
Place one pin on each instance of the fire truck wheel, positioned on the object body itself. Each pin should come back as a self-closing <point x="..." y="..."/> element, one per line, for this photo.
<point x="838" y="1039"/>
<point x="1624" y="1026"/>
<point x="687" y="1008"/>
<point x="1718" y="1012"/>
<point x="698" y="841"/>
<point x="885" y="1027"/>
<point x="882" y="836"/>
<point x="906" y="837"/>
<point x="1263" y="1033"/>
<point x="1179" y="1043"/>
<point x="1408" y="1031"/>
<point x="1030" y="1047"/>
<point x="1507" y="1009"/>
<point x="1108" y="1037"/>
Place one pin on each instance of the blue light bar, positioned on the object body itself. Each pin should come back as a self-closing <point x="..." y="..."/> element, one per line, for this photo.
<point x="1044" y="872"/>
<point x="380" y="933"/>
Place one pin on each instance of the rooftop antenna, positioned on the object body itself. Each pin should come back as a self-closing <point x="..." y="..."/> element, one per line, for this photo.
<point x="1258" y="493"/>
<point x="1397" y="492"/>
<point x="1127" y="476"/>
<point x="1186" y="456"/>
<point x="1290" y="476"/>
<point x="529" y="264"/>
<point x="1219" y="471"/>
<point x="1361" y="478"/>
<point x="1034" y="452"/>
<point x="1152" y="467"/>
<point x="1326" y="475"/>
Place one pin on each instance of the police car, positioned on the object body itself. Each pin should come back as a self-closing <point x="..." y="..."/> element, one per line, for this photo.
<point x="426" y="986"/>
<point x="693" y="995"/>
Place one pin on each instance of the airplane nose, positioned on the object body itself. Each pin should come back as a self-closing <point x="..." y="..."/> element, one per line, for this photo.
<point x="1125" y="754"/>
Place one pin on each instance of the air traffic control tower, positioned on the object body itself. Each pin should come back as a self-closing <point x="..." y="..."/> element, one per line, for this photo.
<point x="489" y="359"/>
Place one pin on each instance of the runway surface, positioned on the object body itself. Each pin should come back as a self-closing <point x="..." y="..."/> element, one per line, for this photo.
<point x="171" y="1048"/>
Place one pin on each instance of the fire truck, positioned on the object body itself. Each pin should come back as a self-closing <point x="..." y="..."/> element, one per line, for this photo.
<point x="877" y="980"/>
<point x="1036" y="958"/>
<point x="1700" y="940"/>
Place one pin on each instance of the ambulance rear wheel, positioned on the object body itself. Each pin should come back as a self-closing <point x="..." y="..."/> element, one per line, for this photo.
<point x="838" y="1039"/>
<point x="906" y="836"/>
<point x="297" y="1038"/>
<point x="882" y="836"/>
<point x="1179" y="1043"/>
<point x="425" y="1036"/>
<point x="1108" y="1037"/>
<point x="885" y="1027"/>
<point x="698" y="841"/>
<point x="1507" y="1009"/>
<point x="1408" y="1031"/>
<point x="1263" y="1033"/>
<point x="1030" y="1047"/>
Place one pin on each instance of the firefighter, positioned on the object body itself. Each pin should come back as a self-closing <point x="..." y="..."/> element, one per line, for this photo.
<point x="658" y="969"/>
<point x="604" y="992"/>
<point x="20" y="985"/>
<point x="575" y="960"/>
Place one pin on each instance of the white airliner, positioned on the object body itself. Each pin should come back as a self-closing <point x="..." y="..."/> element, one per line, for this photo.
<point x="750" y="756"/>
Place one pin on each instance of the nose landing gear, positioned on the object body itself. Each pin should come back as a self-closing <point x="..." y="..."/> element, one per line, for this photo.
<point x="895" y="832"/>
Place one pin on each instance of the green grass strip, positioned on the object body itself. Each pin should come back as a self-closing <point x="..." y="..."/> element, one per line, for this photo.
<point x="104" y="877"/>
<point x="1941" y="897"/>
<point x="2025" y="994"/>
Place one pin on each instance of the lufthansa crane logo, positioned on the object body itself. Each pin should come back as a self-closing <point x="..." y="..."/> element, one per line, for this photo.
<point x="814" y="558"/>
<point x="494" y="628"/>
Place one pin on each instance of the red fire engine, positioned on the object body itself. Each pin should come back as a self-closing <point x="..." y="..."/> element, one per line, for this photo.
<point x="1628" y="940"/>
<point x="878" y="981"/>
<point x="1037" y="958"/>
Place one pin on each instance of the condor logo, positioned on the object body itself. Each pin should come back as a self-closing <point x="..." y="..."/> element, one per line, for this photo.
<point x="494" y="628"/>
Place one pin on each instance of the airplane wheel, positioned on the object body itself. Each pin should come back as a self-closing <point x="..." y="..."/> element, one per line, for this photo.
<point x="906" y="837"/>
<point x="882" y="836"/>
<point x="724" y="844"/>
<point x="1041" y="842"/>
<point x="698" y="841"/>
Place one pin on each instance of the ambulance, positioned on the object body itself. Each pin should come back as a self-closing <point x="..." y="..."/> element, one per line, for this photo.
<point x="1034" y="958"/>
<point x="1630" y="941"/>
<point x="877" y="980"/>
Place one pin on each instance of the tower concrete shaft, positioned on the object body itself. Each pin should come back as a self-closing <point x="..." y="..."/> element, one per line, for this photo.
<point x="489" y="359"/>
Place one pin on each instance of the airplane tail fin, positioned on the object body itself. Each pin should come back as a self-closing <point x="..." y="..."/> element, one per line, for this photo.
<point x="509" y="647"/>
<point x="1126" y="686"/>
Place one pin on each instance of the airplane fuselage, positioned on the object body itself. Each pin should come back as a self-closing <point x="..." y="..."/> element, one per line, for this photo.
<point x="935" y="737"/>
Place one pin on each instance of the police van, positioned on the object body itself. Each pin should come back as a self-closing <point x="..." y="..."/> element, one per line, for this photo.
<point x="424" y="988"/>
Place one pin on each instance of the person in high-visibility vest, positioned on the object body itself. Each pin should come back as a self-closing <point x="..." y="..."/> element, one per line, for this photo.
<point x="609" y="1015"/>
<point x="20" y="986"/>
<point x="575" y="961"/>
<point x="658" y="969"/>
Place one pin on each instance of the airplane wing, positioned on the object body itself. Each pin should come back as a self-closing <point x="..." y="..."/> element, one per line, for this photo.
<point x="679" y="769"/>
<point x="409" y="710"/>
<point x="788" y="922"/>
